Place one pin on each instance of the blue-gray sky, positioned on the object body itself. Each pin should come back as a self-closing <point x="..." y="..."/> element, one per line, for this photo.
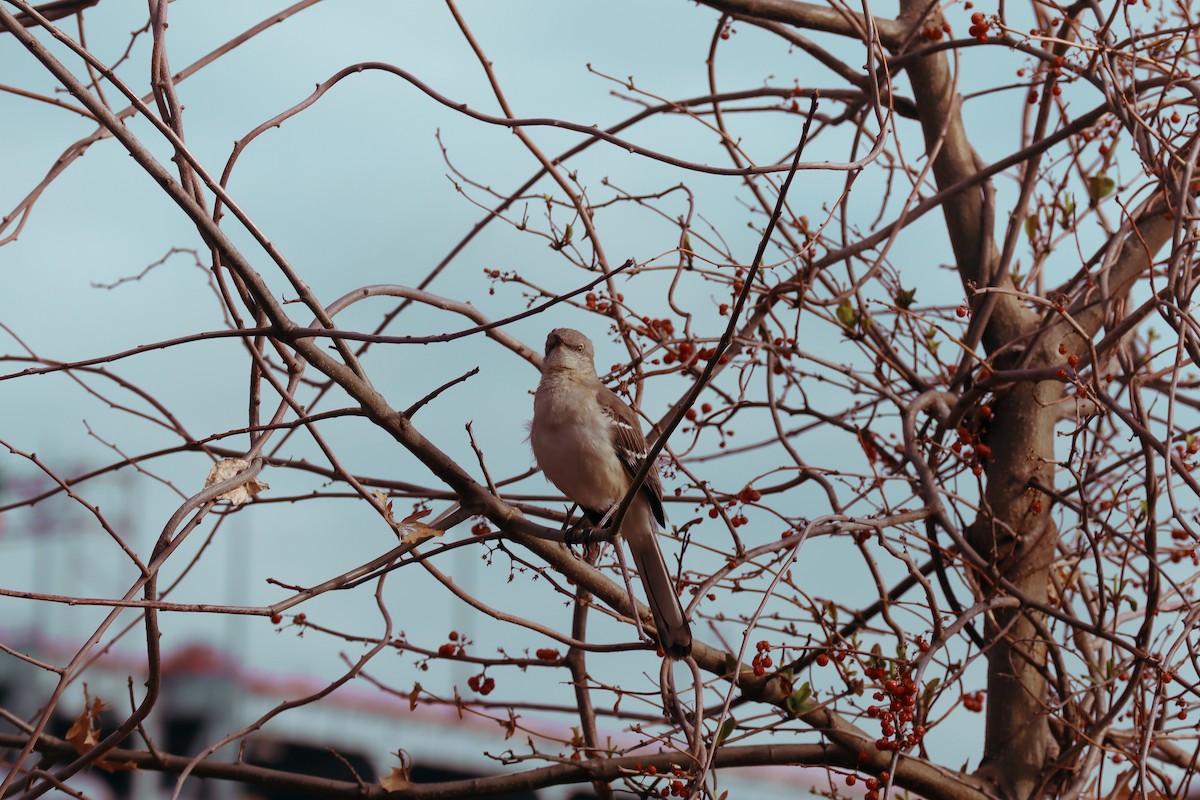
<point x="354" y="191"/>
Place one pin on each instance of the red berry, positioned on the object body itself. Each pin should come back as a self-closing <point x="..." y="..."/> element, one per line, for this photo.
<point x="961" y="311"/>
<point x="1073" y="360"/>
<point x="822" y="660"/>
<point x="447" y="649"/>
<point x="276" y="618"/>
<point x="691" y="414"/>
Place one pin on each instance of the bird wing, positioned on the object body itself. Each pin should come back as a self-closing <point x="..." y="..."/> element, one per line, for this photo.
<point x="630" y="447"/>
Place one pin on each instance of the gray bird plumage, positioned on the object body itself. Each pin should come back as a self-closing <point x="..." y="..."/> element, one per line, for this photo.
<point x="589" y="444"/>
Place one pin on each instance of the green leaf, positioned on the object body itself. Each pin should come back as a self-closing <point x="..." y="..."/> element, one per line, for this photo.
<point x="846" y="314"/>
<point x="831" y="610"/>
<point x="566" y="240"/>
<point x="904" y="298"/>
<point x="1109" y="667"/>
<point x="1100" y="186"/>
<point x="727" y="727"/>
<point x="1031" y="226"/>
<point x="798" y="701"/>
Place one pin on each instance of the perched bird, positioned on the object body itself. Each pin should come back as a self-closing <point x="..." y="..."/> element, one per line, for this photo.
<point x="590" y="445"/>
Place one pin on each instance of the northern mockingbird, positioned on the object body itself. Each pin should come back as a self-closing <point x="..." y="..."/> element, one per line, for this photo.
<point x="589" y="444"/>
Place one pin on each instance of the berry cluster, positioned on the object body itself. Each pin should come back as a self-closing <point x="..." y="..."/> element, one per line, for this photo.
<point x="973" y="701"/>
<point x="934" y="33"/>
<point x="977" y="453"/>
<point x="454" y="647"/>
<point x="762" y="659"/>
<point x="872" y="784"/>
<point x="598" y="304"/>
<point x="901" y="694"/>
<point x="822" y="659"/>
<point x="548" y="654"/>
<point x="481" y="683"/>
<point x="979" y="27"/>
<point x="746" y="495"/>
<point x="676" y="788"/>
<point x="688" y="354"/>
<point x="1068" y="372"/>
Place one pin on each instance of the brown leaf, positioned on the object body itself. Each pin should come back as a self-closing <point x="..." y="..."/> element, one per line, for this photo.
<point x="411" y="531"/>
<point x="413" y="695"/>
<point x="398" y="779"/>
<point x="225" y="469"/>
<point x="84" y="732"/>
<point x="509" y="725"/>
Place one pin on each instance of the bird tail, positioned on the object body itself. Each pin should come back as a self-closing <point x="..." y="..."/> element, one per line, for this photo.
<point x="674" y="633"/>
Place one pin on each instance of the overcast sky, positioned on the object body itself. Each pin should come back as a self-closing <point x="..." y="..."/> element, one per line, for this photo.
<point x="353" y="191"/>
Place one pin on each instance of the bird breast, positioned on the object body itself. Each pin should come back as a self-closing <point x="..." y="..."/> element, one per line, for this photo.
<point x="572" y="442"/>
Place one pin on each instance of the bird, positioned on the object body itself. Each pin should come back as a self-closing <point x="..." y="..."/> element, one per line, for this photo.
<point x="589" y="443"/>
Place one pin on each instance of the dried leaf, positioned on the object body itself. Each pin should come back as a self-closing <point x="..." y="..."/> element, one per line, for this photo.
<point x="399" y="778"/>
<point x="411" y="531"/>
<point x="413" y="695"/>
<point x="385" y="502"/>
<point x="84" y="732"/>
<point x="396" y="781"/>
<point x="227" y="468"/>
<point x="509" y="725"/>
